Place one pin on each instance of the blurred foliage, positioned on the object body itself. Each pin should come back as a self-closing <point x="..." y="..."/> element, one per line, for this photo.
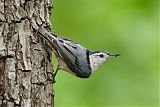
<point x="129" y="27"/>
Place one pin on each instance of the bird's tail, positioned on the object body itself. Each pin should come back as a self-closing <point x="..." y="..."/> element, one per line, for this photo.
<point x="48" y="36"/>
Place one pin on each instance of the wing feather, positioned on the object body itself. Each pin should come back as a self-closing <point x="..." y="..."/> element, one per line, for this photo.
<point x="75" y="57"/>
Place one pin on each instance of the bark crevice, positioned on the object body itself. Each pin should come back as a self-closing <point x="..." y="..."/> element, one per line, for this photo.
<point x="25" y="64"/>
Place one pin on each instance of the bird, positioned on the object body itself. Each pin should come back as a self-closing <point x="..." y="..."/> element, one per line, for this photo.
<point x="73" y="57"/>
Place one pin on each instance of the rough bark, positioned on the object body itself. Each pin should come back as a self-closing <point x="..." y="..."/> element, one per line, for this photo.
<point x="25" y="70"/>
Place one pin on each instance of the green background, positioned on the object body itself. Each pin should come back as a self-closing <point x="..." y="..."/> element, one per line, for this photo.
<point x="129" y="27"/>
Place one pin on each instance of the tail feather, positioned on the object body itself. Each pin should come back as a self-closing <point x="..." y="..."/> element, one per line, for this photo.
<point x="48" y="36"/>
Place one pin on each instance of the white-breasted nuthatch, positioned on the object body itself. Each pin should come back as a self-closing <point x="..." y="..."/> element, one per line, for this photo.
<point x="74" y="58"/>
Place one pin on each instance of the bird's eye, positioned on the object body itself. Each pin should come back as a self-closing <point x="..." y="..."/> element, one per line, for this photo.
<point x="101" y="55"/>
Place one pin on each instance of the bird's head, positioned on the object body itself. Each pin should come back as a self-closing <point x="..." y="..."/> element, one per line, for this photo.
<point x="98" y="58"/>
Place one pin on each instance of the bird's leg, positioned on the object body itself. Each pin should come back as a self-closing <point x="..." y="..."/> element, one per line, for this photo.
<point x="54" y="75"/>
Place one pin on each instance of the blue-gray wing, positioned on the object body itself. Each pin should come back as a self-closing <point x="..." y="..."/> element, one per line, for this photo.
<point x="75" y="56"/>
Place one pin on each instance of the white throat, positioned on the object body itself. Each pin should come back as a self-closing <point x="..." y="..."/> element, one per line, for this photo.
<point x="95" y="63"/>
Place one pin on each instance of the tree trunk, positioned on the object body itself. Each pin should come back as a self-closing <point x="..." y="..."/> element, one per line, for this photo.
<point x="25" y="70"/>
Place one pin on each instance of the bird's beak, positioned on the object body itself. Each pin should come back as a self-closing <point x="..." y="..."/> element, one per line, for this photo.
<point x="113" y="55"/>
